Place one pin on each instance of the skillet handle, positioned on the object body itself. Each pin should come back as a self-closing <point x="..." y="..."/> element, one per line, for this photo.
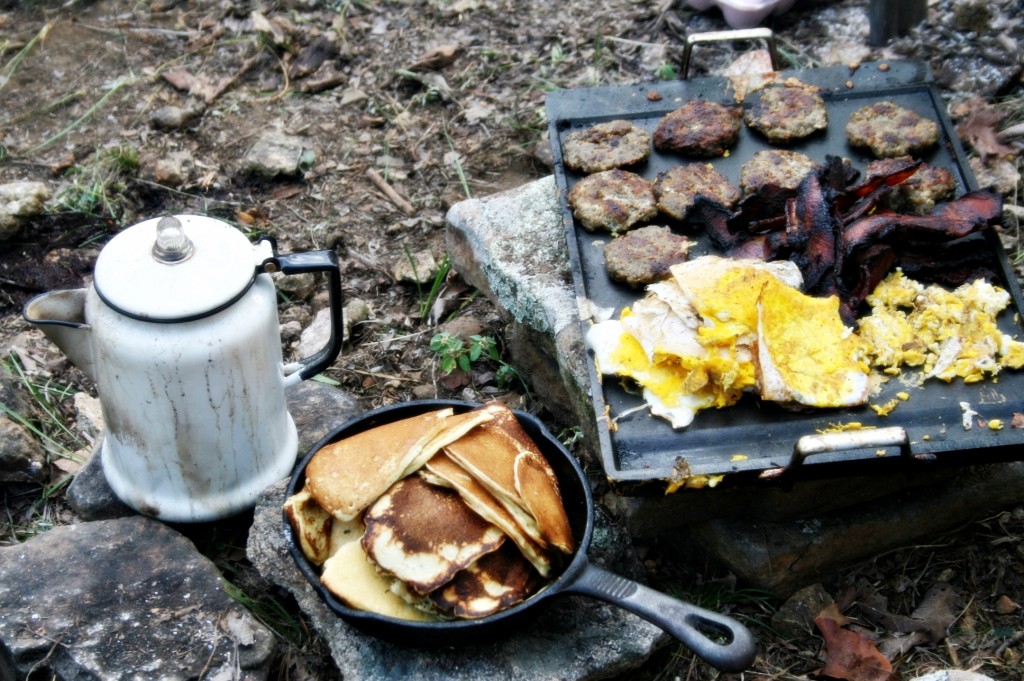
<point x="688" y="623"/>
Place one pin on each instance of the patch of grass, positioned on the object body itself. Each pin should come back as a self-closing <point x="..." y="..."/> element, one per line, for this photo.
<point x="98" y="188"/>
<point x="272" y="613"/>
<point x="428" y="296"/>
<point x="48" y="424"/>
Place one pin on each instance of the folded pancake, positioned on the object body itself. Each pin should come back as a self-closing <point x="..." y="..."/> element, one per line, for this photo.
<point x="350" y="576"/>
<point x="423" y="534"/>
<point x="538" y="487"/>
<point x="488" y="453"/>
<point x="496" y="581"/>
<point x="344" y="532"/>
<point x="311" y="524"/>
<point x="348" y="475"/>
<point x="442" y="470"/>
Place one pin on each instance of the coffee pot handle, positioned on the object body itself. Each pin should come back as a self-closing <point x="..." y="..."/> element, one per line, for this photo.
<point x="315" y="261"/>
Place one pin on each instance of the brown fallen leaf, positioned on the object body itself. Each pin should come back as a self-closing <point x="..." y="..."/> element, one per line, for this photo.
<point x="437" y="58"/>
<point x="832" y="612"/>
<point x="1018" y="420"/>
<point x="978" y="129"/>
<point x="179" y="79"/>
<point x="850" y="655"/>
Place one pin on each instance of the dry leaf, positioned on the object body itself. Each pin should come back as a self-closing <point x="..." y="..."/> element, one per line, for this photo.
<point x="437" y="58"/>
<point x="979" y="130"/>
<point x="850" y="655"/>
<point x="832" y="612"/>
<point x="180" y="79"/>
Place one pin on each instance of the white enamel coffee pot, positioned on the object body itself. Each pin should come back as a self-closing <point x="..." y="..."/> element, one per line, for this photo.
<point x="179" y="331"/>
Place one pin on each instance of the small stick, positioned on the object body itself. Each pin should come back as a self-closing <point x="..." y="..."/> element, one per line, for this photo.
<point x="390" y="192"/>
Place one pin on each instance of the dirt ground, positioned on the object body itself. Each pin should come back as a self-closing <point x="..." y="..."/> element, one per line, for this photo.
<point x="419" y="103"/>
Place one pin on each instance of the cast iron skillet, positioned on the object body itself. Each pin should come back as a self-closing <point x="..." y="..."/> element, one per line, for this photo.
<point x="731" y="649"/>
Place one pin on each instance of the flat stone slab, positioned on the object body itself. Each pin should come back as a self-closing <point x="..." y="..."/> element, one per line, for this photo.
<point x="128" y="598"/>
<point x="570" y="638"/>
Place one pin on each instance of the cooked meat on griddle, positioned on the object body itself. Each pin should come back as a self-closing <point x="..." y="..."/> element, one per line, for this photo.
<point x="613" y="144"/>
<point x="699" y="128"/>
<point x="774" y="168"/>
<point x="678" y="187"/>
<point x="614" y="200"/>
<point x="920" y="192"/>
<point x="643" y="256"/>
<point x="786" y="113"/>
<point x="890" y="130"/>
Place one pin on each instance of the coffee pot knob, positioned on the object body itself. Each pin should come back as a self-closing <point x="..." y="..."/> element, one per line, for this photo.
<point x="172" y="244"/>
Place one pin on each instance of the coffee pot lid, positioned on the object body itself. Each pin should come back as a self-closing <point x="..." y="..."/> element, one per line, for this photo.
<point x="175" y="268"/>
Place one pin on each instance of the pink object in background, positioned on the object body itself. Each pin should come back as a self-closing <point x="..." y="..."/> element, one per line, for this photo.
<point x="744" y="13"/>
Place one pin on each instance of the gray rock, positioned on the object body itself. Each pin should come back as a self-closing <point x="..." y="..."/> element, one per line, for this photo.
<point x="953" y="675"/>
<point x="89" y="494"/>
<point x="511" y="247"/>
<point x="317" y="409"/>
<point x="316" y="335"/>
<point x="172" y="169"/>
<point x="784" y="555"/>
<point x="795" y="618"/>
<point x="415" y="268"/>
<point x="276" y="154"/>
<point x="172" y="117"/>
<point x="570" y="638"/>
<point x="138" y="601"/>
<point x="22" y="458"/>
<point x="20" y="201"/>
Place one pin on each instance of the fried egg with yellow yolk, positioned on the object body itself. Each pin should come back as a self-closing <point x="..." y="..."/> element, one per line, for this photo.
<point x="692" y="342"/>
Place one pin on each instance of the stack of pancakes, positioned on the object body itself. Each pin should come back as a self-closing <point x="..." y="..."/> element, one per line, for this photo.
<point x="436" y="516"/>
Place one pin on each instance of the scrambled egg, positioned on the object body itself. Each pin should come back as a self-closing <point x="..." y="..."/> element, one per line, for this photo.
<point x="945" y="334"/>
<point x="721" y="327"/>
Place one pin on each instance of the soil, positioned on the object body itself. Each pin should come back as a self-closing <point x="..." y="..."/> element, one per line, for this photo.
<point x="443" y="100"/>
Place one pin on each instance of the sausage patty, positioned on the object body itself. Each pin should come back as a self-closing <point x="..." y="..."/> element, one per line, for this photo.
<point x="921" y="191"/>
<point x="678" y="187"/>
<point x="699" y="128"/>
<point x="643" y="256"/>
<point x="890" y="130"/>
<point x="774" y="168"/>
<point x="614" y="200"/>
<point x="786" y="113"/>
<point x="604" y="146"/>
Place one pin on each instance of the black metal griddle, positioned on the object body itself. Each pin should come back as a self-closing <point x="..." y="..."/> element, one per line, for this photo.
<point x="754" y="440"/>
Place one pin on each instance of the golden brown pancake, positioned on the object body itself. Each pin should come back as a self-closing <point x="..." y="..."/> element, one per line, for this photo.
<point x="350" y="576"/>
<point x="538" y="487"/>
<point x="488" y="453"/>
<point x="442" y="470"/>
<point x="423" y="534"/>
<point x="311" y="523"/>
<point x="343" y="532"/>
<point x="496" y="581"/>
<point x="348" y="475"/>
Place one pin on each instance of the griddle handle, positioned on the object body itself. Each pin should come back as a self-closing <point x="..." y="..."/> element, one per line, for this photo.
<point x="809" y="445"/>
<point x="764" y="34"/>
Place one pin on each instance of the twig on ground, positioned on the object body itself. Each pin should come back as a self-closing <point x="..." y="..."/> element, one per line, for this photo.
<point x="400" y="202"/>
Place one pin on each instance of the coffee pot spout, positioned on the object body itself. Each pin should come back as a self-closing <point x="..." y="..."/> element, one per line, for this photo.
<point x="60" y="315"/>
